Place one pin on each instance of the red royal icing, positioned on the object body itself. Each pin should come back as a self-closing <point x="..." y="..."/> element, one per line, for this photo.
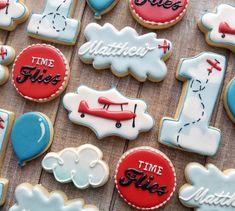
<point x="145" y="178"/>
<point x="214" y="65"/>
<point x="159" y="11"/>
<point x="119" y="115"/>
<point x="39" y="72"/>
<point x="225" y="28"/>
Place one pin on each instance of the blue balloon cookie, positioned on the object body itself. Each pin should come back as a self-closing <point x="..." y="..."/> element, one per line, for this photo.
<point x="101" y="7"/>
<point x="31" y="136"/>
<point x="229" y="99"/>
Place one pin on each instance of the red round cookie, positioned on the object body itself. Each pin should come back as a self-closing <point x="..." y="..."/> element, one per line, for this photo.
<point x="158" y="13"/>
<point x="145" y="178"/>
<point x="40" y="72"/>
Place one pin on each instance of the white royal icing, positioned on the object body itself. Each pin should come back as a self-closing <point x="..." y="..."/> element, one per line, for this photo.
<point x="4" y="122"/>
<point x="191" y="131"/>
<point x="4" y="130"/>
<point x="14" y="11"/>
<point x="209" y="189"/>
<point x="55" y="22"/>
<point x="126" y="52"/>
<point x="7" y="54"/>
<point x="137" y="119"/>
<point x="37" y="198"/>
<point x="83" y="166"/>
<point x="224" y="18"/>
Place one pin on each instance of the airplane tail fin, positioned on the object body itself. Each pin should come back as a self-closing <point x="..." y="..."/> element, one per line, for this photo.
<point x="83" y="107"/>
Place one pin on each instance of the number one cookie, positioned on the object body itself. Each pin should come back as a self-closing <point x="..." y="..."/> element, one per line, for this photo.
<point x="55" y="23"/>
<point x="190" y="131"/>
<point x="6" y="121"/>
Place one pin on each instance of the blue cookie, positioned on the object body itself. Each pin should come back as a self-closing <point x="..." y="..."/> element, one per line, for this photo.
<point x="229" y="99"/>
<point x="32" y="135"/>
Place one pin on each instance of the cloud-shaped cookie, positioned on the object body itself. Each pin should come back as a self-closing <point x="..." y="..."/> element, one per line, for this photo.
<point x="37" y="198"/>
<point x="219" y="26"/>
<point x="83" y="166"/>
<point x="15" y="11"/>
<point x="108" y="112"/>
<point x="208" y="188"/>
<point x="126" y="52"/>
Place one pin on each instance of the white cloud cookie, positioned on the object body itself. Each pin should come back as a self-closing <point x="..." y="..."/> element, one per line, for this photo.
<point x="219" y="27"/>
<point x="108" y="112"/>
<point x="208" y="188"/>
<point x="126" y="52"/>
<point x="37" y="198"/>
<point x="83" y="166"/>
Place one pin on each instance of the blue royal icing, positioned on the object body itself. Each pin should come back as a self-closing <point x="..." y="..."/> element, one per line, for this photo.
<point x="55" y="23"/>
<point x="230" y="97"/>
<point x="30" y="136"/>
<point x="99" y="6"/>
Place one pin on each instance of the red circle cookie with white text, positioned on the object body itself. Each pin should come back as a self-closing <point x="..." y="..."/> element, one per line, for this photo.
<point x="40" y="73"/>
<point x="145" y="178"/>
<point x="158" y="14"/>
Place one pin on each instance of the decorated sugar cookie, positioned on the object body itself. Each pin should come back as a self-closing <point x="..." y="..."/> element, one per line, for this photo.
<point x="125" y="52"/>
<point x="219" y="27"/>
<point x="12" y="13"/>
<point x="108" y="112"/>
<point x="6" y="122"/>
<point x="229" y="99"/>
<point x="83" y="166"/>
<point x="3" y="190"/>
<point x="158" y="14"/>
<point x="55" y="24"/>
<point x="32" y="135"/>
<point x="37" y="198"/>
<point x="101" y="7"/>
<point x="7" y="55"/>
<point x="208" y="188"/>
<point x="40" y="73"/>
<point x="203" y="77"/>
<point x="145" y="178"/>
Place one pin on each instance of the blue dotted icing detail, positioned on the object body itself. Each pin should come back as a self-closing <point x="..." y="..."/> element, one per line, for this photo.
<point x="30" y="136"/>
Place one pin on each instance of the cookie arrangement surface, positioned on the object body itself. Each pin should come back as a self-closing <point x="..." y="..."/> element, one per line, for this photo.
<point x="104" y="122"/>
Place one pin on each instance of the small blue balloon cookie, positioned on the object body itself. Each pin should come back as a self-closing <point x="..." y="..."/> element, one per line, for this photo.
<point x="229" y="99"/>
<point x="31" y="136"/>
<point x="101" y="7"/>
